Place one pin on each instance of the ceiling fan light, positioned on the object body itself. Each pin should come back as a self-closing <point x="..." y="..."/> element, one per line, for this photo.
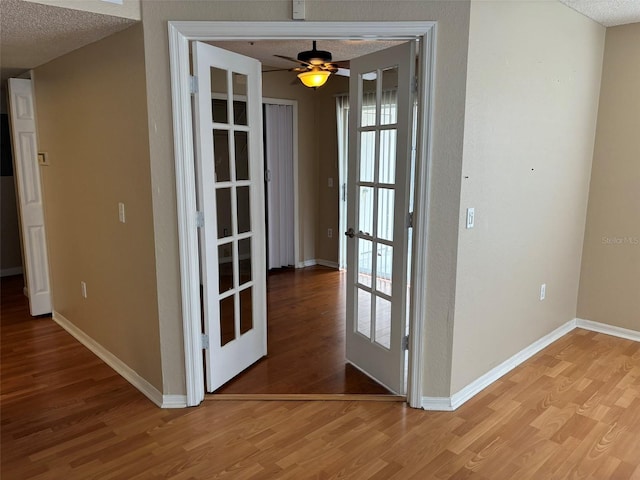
<point x="314" y="78"/>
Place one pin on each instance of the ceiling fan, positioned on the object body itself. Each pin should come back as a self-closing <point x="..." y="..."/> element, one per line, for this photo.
<point x="316" y="66"/>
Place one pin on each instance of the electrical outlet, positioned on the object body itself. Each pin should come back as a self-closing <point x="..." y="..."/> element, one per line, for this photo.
<point x="543" y="291"/>
<point x="83" y="289"/>
<point x="121" y="213"/>
<point x="329" y="232"/>
<point x="330" y="182"/>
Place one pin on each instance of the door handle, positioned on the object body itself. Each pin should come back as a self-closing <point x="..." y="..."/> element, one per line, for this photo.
<point x="350" y="233"/>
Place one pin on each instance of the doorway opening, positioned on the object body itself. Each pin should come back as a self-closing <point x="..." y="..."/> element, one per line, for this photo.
<point x="180" y="34"/>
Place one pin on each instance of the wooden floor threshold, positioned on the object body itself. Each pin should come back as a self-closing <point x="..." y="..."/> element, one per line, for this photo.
<point x="306" y="397"/>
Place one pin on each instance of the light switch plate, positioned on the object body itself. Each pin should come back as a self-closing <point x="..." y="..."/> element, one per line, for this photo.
<point x="471" y="217"/>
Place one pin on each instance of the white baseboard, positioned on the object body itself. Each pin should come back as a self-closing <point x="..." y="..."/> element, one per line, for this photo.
<point x="306" y="263"/>
<point x="475" y="387"/>
<point x="438" y="404"/>
<point x="8" y="272"/>
<point x="327" y="263"/>
<point x="152" y="393"/>
<point x="317" y="261"/>
<point x="174" y="401"/>
<point x="448" y="404"/>
<point x="608" y="329"/>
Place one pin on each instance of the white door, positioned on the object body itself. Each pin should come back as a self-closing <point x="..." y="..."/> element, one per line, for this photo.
<point x="230" y="194"/>
<point x="28" y="188"/>
<point x="278" y="137"/>
<point x="380" y="132"/>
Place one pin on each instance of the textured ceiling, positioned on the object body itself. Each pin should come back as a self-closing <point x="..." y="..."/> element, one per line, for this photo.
<point x="609" y="13"/>
<point x="32" y="34"/>
<point x="264" y="50"/>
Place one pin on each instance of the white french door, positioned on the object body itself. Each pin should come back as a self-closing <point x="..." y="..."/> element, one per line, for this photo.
<point x="230" y="197"/>
<point x="380" y="134"/>
<point x="29" y="192"/>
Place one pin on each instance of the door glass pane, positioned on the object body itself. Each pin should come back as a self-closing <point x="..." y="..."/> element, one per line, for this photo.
<point x="389" y="101"/>
<point x="219" y="110"/>
<point x="240" y="111"/>
<point x="368" y="81"/>
<point x="246" y="311"/>
<point x="242" y="155"/>
<point x="386" y="198"/>
<point x="227" y="320"/>
<point x="225" y="267"/>
<point x="384" y="268"/>
<point x="387" y="164"/>
<point x="219" y="85"/>
<point x="221" y="154"/>
<point x="223" y="210"/>
<point x="365" y="256"/>
<point x="244" y="253"/>
<point x="383" y="322"/>
<point x="365" y="213"/>
<point x="363" y="325"/>
<point x="367" y="155"/>
<point x="244" y="214"/>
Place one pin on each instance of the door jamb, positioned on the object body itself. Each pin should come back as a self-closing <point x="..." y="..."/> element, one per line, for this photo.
<point x="183" y="32"/>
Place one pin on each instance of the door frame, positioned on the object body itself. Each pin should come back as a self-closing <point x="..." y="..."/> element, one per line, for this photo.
<point x="181" y="33"/>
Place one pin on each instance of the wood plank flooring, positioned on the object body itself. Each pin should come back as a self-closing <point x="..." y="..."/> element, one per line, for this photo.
<point x="306" y="350"/>
<point x="570" y="412"/>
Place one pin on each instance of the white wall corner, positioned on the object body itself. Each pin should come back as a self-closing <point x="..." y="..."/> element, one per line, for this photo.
<point x="608" y="329"/>
<point x="307" y="263"/>
<point x="327" y="263"/>
<point x="119" y="366"/>
<point x="437" y="404"/>
<point x="174" y="401"/>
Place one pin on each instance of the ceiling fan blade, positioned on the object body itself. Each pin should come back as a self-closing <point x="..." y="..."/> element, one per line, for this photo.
<point x="342" y="64"/>
<point x="344" y="72"/>
<point x="291" y="59"/>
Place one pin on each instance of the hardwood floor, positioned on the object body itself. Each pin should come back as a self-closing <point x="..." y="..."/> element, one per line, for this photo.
<point x="306" y="350"/>
<point x="570" y="412"/>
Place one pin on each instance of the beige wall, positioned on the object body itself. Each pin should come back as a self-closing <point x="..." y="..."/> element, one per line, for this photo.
<point x="91" y="107"/>
<point x="453" y="25"/>
<point x="327" y="148"/>
<point x="610" y="278"/>
<point x="278" y="85"/>
<point x="532" y="97"/>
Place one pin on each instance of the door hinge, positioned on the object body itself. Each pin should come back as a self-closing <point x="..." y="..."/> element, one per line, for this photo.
<point x="199" y="219"/>
<point x="410" y="220"/>
<point x="193" y="84"/>
<point x="205" y="341"/>
<point x="405" y="342"/>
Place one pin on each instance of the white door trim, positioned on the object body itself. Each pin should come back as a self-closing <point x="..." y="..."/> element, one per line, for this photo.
<point x="180" y="34"/>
